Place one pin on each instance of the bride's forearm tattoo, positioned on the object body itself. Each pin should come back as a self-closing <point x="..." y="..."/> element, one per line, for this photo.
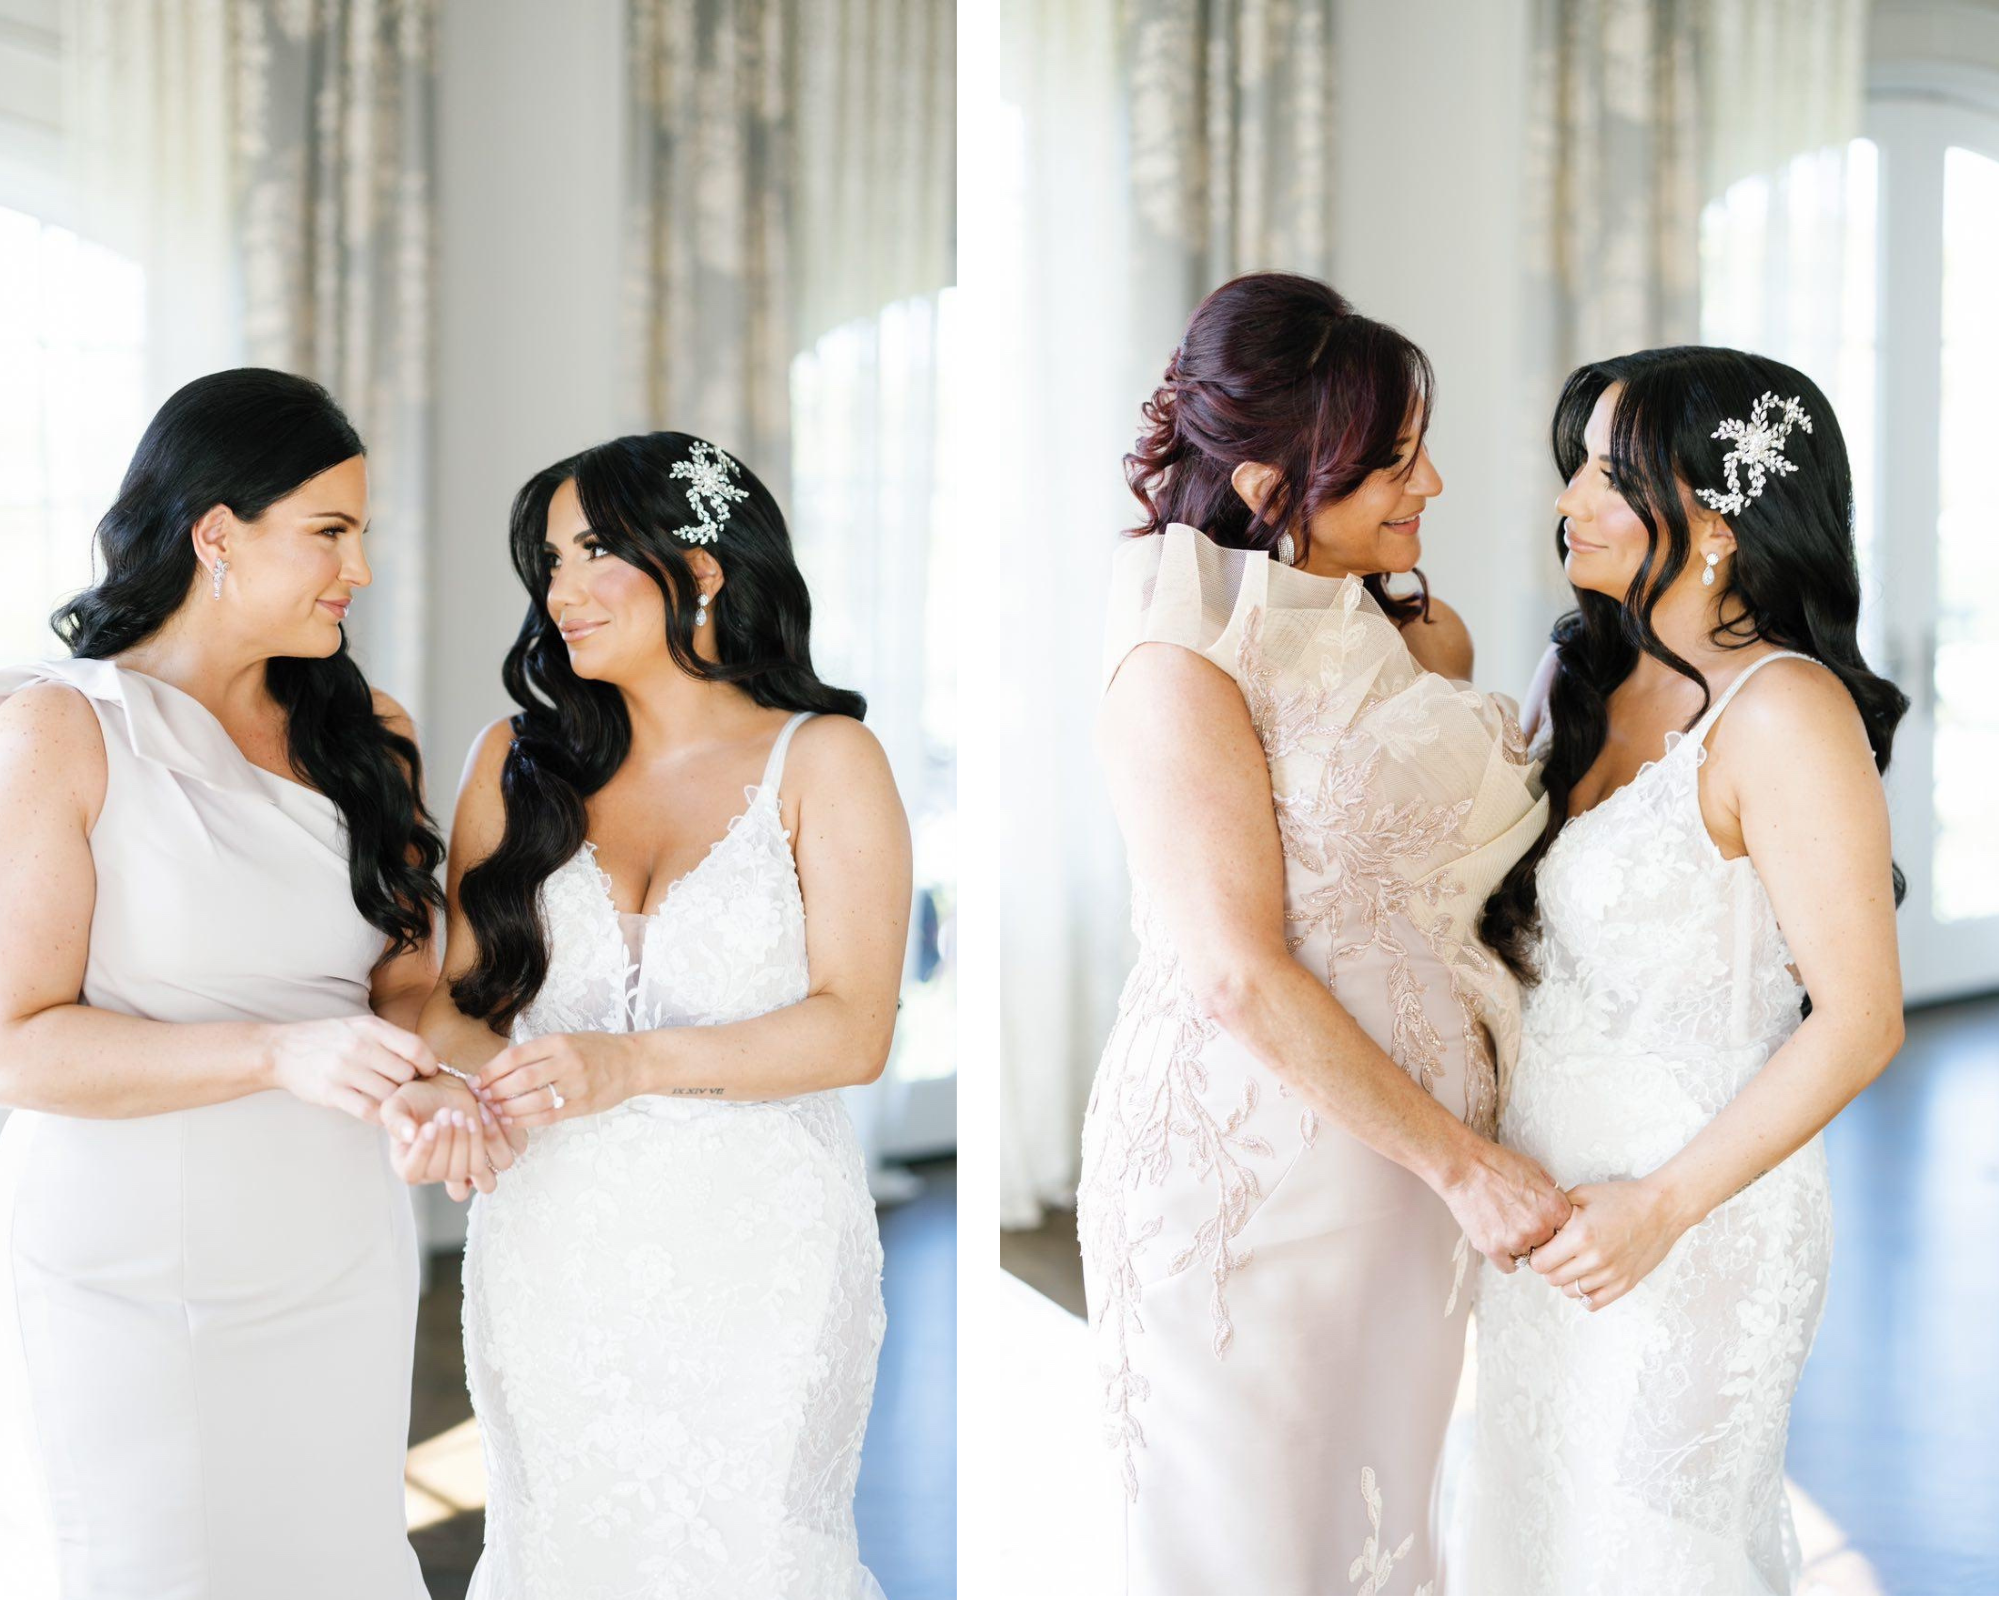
<point x="679" y="1090"/>
<point x="1747" y="1185"/>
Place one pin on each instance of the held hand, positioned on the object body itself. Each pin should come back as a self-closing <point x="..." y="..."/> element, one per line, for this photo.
<point x="558" y="1076"/>
<point x="500" y="1155"/>
<point x="439" y="1133"/>
<point x="1506" y="1204"/>
<point x="351" y="1064"/>
<point x="1618" y="1233"/>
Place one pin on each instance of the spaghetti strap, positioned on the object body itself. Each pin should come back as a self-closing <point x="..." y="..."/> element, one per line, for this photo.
<point x="1699" y="732"/>
<point x="774" y="768"/>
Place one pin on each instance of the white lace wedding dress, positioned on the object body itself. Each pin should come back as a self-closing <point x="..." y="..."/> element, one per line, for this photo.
<point x="1640" y="1449"/>
<point x="673" y="1309"/>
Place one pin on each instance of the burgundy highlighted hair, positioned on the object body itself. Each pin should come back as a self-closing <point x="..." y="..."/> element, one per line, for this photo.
<point x="1278" y="369"/>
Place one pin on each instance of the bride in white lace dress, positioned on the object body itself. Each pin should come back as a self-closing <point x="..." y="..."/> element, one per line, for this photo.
<point x="1725" y="851"/>
<point x="672" y="1300"/>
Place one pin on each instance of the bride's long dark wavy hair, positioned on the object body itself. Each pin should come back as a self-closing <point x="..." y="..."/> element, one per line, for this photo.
<point x="1280" y="369"/>
<point x="1793" y="582"/>
<point x="571" y="734"/>
<point x="245" y="439"/>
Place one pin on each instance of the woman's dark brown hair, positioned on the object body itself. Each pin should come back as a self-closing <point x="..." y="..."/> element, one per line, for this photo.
<point x="1278" y="369"/>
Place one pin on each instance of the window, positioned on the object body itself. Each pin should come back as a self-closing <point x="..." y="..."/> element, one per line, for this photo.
<point x="1869" y="269"/>
<point x="1966" y="648"/>
<point x="72" y="352"/>
<point x="872" y="497"/>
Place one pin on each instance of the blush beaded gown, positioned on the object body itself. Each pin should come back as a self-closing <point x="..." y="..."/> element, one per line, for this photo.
<point x="1640" y="1449"/>
<point x="1279" y="1312"/>
<point x="673" y="1309"/>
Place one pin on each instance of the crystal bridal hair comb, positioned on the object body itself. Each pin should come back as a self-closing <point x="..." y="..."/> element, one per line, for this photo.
<point x="710" y="473"/>
<point x="1760" y="447"/>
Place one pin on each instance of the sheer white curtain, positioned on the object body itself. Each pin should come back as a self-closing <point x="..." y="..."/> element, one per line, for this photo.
<point x="870" y="523"/>
<point x="789" y="233"/>
<point x="148" y="128"/>
<point x="1788" y="221"/>
<point x="268" y="167"/>
<point x="791" y="166"/>
<point x="1148" y="151"/>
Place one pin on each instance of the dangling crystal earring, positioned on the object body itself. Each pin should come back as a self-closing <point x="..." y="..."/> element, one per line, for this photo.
<point x="221" y="567"/>
<point x="1708" y="576"/>
<point x="1285" y="548"/>
<point x="700" y="609"/>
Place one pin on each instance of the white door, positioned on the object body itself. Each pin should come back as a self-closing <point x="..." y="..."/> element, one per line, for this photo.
<point x="1931" y="570"/>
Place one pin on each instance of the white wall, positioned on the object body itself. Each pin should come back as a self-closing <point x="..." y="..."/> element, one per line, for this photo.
<point x="1432" y="102"/>
<point x="529" y="197"/>
<point x="531" y="135"/>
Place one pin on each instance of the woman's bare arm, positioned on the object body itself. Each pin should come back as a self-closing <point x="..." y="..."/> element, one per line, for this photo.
<point x="1192" y="791"/>
<point x="852" y="846"/>
<point x="1792" y="770"/>
<point x="1441" y="643"/>
<point x="58" y="1054"/>
<point x="1801" y="781"/>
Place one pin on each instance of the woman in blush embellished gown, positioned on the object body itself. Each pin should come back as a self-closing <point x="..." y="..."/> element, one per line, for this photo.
<point x="219" y="893"/>
<point x="1718" y="851"/>
<point x="1287" y="1153"/>
<point x="678" y="896"/>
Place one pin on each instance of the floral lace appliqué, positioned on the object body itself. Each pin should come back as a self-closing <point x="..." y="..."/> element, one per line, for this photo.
<point x="673" y="1309"/>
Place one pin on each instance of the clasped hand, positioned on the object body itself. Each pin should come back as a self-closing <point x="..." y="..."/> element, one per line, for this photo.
<point x="560" y="1075"/>
<point x="1504" y="1203"/>
<point x="439" y="1132"/>
<point x="1616" y="1235"/>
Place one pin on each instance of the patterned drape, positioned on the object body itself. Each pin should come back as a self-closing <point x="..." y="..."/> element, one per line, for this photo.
<point x="1781" y="258"/>
<point x="1167" y="145"/>
<point x="1640" y="112"/>
<point x="792" y="166"/>
<point x="335" y="140"/>
<point x="1612" y="179"/>
<point x="1229" y="120"/>
<point x="270" y="166"/>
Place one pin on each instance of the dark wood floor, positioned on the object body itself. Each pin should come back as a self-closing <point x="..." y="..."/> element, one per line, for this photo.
<point x="906" y="1506"/>
<point x="1896" y="1428"/>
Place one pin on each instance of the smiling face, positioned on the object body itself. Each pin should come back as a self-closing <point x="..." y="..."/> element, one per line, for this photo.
<point x="292" y="572"/>
<point x="1604" y="536"/>
<point x="611" y="614"/>
<point x="1374" y="529"/>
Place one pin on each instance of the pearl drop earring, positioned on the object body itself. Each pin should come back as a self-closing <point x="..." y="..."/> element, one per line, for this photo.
<point x="1708" y="575"/>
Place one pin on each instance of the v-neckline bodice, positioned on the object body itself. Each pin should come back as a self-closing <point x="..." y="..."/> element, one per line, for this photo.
<point x="755" y="793"/>
<point x="1675" y="738"/>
